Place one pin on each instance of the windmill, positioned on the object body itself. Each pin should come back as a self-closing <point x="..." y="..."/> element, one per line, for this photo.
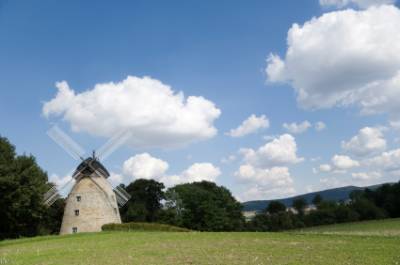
<point x="92" y="201"/>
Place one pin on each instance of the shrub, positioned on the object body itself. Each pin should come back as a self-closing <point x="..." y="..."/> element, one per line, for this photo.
<point x="143" y="227"/>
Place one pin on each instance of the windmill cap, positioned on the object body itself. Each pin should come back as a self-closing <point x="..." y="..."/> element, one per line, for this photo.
<point x="89" y="166"/>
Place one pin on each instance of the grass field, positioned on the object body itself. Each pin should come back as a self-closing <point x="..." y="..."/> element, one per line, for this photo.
<point x="305" y="247"/>
<point x="389" y="227"/>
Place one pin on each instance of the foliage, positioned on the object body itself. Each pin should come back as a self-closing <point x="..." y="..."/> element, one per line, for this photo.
<point x="204" y="206"/>
<point x="368" y="204"/>
<point x="317" y="199"/>
<point x="133" y="226"/>
<point x="275" y="207"/>
<point x="22" y="185"/>
<point x="145" y="203"/>
<point x="299" y="204"/>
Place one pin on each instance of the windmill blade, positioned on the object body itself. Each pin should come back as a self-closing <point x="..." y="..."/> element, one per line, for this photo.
<point x="66" y="142"/>
<point x="113" y="144"/>
<point x="121" y="195"/>
<point x="53" y="194"/>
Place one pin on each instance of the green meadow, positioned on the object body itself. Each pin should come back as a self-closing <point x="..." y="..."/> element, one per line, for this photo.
<point x="375" y="243"/>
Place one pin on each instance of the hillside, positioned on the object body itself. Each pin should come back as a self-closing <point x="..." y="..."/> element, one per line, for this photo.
<point x="336" y="194"/>
<point x="299" y="247"/>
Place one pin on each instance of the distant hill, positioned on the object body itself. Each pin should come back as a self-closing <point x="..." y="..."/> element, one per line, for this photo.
<point x="336" y="194"/>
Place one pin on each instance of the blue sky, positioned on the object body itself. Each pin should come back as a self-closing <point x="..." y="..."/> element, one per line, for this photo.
<point x="215" y="51"/>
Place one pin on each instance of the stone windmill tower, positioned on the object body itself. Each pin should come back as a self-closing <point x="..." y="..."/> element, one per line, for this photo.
<point x="92" y="201"/>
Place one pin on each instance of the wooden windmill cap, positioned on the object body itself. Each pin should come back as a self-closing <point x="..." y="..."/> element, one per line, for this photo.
<point x="89" y="166"/>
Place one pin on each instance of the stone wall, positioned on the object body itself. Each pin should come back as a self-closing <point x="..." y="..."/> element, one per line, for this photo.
<point x="95" y="200"/>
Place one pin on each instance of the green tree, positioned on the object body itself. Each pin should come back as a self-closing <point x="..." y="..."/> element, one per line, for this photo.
<point x="275" y="207"/>
<point x="317" y="199"/>
<point x="299" y="204"/>
<point x="145" y="203"/>
<point x="204" y="206"/>
<point x="22" y="185"/>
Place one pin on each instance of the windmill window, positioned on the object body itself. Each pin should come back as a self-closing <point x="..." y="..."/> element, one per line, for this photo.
<point x="76" y="212"/>
<point x="78" y="198"/>
<point x="74" y="229"/>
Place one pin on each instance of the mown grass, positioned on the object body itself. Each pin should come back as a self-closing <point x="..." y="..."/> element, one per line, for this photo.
<point x="204" y="248"/>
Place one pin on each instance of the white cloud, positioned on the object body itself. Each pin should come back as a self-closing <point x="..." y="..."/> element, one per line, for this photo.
<point x="264" y="171"/>
<point x="200" y="172"/>
<point x="344" y="58"/>
<point x="116" y="179"/>
<point x="265" y="183"/>
<point x="319" y="126"/>
<point x="278" y="152"/>
<point x="325" y="168"/>
<point x="148" y="167"/>
<point x="296" y="128"/>
<point x="342" y="162"/>
<point x="369" y="140"/>
<point x="251" y="125"/>
<point x="366" y="176"/>
<point x="59" y="180"/>
<point x="389" y="161"/>
<point x="145" y="166"/>
<point x="359" y="3"/>
<point x="258" y="192"/>
<point x="155" y="115"/>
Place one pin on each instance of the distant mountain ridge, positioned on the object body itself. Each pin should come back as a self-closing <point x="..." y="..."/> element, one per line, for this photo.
<point x="336" y="194"/>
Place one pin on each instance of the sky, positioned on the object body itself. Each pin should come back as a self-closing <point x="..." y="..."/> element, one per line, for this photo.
<point x="267" y="98"/>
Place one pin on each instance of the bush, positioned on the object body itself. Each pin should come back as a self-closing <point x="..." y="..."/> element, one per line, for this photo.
<point x="149" y="227"/>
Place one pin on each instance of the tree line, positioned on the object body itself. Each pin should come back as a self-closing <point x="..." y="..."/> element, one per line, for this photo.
<point x="367" y="204"/>
<point x="202" y="206"/>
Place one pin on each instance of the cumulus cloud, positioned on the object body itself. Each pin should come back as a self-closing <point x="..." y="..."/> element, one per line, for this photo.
<point x="325" y="168"/>
<point x="59" y="180"/>
<point x="366" y="175"/>
<point x="149" y="167"/>
<point x="368" y="141"/>
<point x="265" y="170"/>
<point x="265" y="183"/>
<point x="343" y="162"/>
<point x="251" y="125"/>
<point x="344" y="58"/>
<point x="155" y="115"/>
<point x="145" y="166"/>
<point x="297" y="128"/>
<point x="358" y="3"/>
<point x="280" y="151"/>
<point x="389" y="161"/>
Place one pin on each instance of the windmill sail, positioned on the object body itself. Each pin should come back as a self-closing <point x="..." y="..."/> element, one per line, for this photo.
<point x="51" y="196"/>
<point x="121" y="195"/>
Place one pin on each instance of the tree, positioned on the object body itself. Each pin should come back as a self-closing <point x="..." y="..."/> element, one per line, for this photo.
<point x="275" y="207"/>
<point x="22" y="185"/>
<point x="145" y="203"/>
<point x="299" y="204"/>
<point x="204" y="206"/>
<point x="317" y="199"/>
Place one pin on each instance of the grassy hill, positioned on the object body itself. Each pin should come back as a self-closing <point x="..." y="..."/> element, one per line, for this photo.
<point x="336" y="194"/>
<point x="301" y="247"/>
